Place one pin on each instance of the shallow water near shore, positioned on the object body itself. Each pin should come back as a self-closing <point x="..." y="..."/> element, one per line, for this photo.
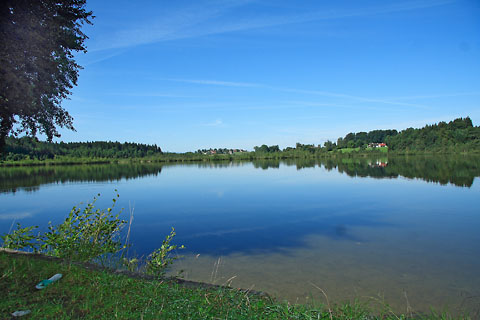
<point x="400" y="230"/>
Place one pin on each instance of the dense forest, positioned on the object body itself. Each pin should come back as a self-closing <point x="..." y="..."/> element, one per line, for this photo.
<point x="455" y="136"/>
<point x="458" y="135"/>
<point x="363" y="139"/>
<point x="31" y="148"/>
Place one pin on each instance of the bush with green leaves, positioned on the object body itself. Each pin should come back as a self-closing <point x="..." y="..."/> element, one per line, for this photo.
<point x="159" y="260"/>
<point x="85" y="234"/>
<point x="90" y="234"/>
<point x="20" y="239"/>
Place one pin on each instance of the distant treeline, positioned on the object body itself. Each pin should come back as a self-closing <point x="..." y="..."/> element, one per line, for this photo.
<point x="455" y="136"/>
<point x="31" y="148"/>
<point x="363" y="139"/>
<point x="458" y="135"/>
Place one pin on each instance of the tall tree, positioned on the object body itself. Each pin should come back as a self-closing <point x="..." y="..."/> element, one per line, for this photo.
<point x="37" y="66"/>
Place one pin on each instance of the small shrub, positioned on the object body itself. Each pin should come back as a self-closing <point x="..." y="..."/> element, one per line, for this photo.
<point x="85" y="234"/>
<point x="20" y="239"/>
<point x="91" y="234"/>
<point x="159" y="260"/>
<point x="131" y="265"/>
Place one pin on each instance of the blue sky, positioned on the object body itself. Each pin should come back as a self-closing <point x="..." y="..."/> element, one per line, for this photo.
<point x="238" y="73"/>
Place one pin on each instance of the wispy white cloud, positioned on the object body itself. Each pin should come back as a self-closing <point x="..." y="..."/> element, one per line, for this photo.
<point x="101" y="57"/>
<point x="173" y="24"/>
<point x="217" y="83"/>
<point x="330" y="105"/>
<point x="357" y="98"/>
<point x="206" y="18"/>
<point x="149" y="94"/>
<point x="398" y="6"/>
<point x="216" y="123"/>
<point x="434" y="96"/>
<point x="15" y="216"/>
<point x="300" y="91"/>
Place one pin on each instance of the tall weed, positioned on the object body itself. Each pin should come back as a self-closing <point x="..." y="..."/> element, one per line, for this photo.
<point x="20" y="239"/>
<point x="160" y="259"/>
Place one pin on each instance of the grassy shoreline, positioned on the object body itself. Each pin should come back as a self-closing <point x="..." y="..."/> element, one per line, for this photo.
<point x="247" y="156"/>
<point x="102" y="294"/>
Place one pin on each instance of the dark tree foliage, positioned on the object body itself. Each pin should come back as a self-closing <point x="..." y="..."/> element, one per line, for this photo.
<point x="266" y="149"/>
<point x="458" y="135"/>
<point x="361" y="139"/>
<point x="310" y="148"/>
<point x="37" y="66"/>
<point x="31" y="148"/>
<point x="329" y="145"/>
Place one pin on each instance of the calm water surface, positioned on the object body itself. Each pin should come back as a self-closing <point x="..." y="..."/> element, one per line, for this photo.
<point x="400" y="230"/>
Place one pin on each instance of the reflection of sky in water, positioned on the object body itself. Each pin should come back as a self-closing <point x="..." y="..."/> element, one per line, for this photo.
<point x="265" y="210"/>
<point x="244" y="211"/>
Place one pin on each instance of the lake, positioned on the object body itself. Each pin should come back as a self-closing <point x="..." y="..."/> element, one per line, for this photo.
<point x="396" y="230"/>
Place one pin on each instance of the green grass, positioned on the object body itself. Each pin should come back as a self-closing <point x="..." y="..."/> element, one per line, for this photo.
<point x="368" y="150"/>
<point x="93" y="294"/>
<point x="164" y="158"/>
<point x="57" y="161"/>
<point x="348" y="150"/>
<point x="379" y="149"/>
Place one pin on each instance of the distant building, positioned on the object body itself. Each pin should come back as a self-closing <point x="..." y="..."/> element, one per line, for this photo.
<point x="221" y="151"/>
<point x="377" y="145"/>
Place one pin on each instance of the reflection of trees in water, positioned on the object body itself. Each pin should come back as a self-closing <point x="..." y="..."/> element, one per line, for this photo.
<point x="266" y="164"/>
<point x="300" y="163"/>
<point x="218" y="164"/>
<point x="458" y="170"/>
<point x="30" y="178"/>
